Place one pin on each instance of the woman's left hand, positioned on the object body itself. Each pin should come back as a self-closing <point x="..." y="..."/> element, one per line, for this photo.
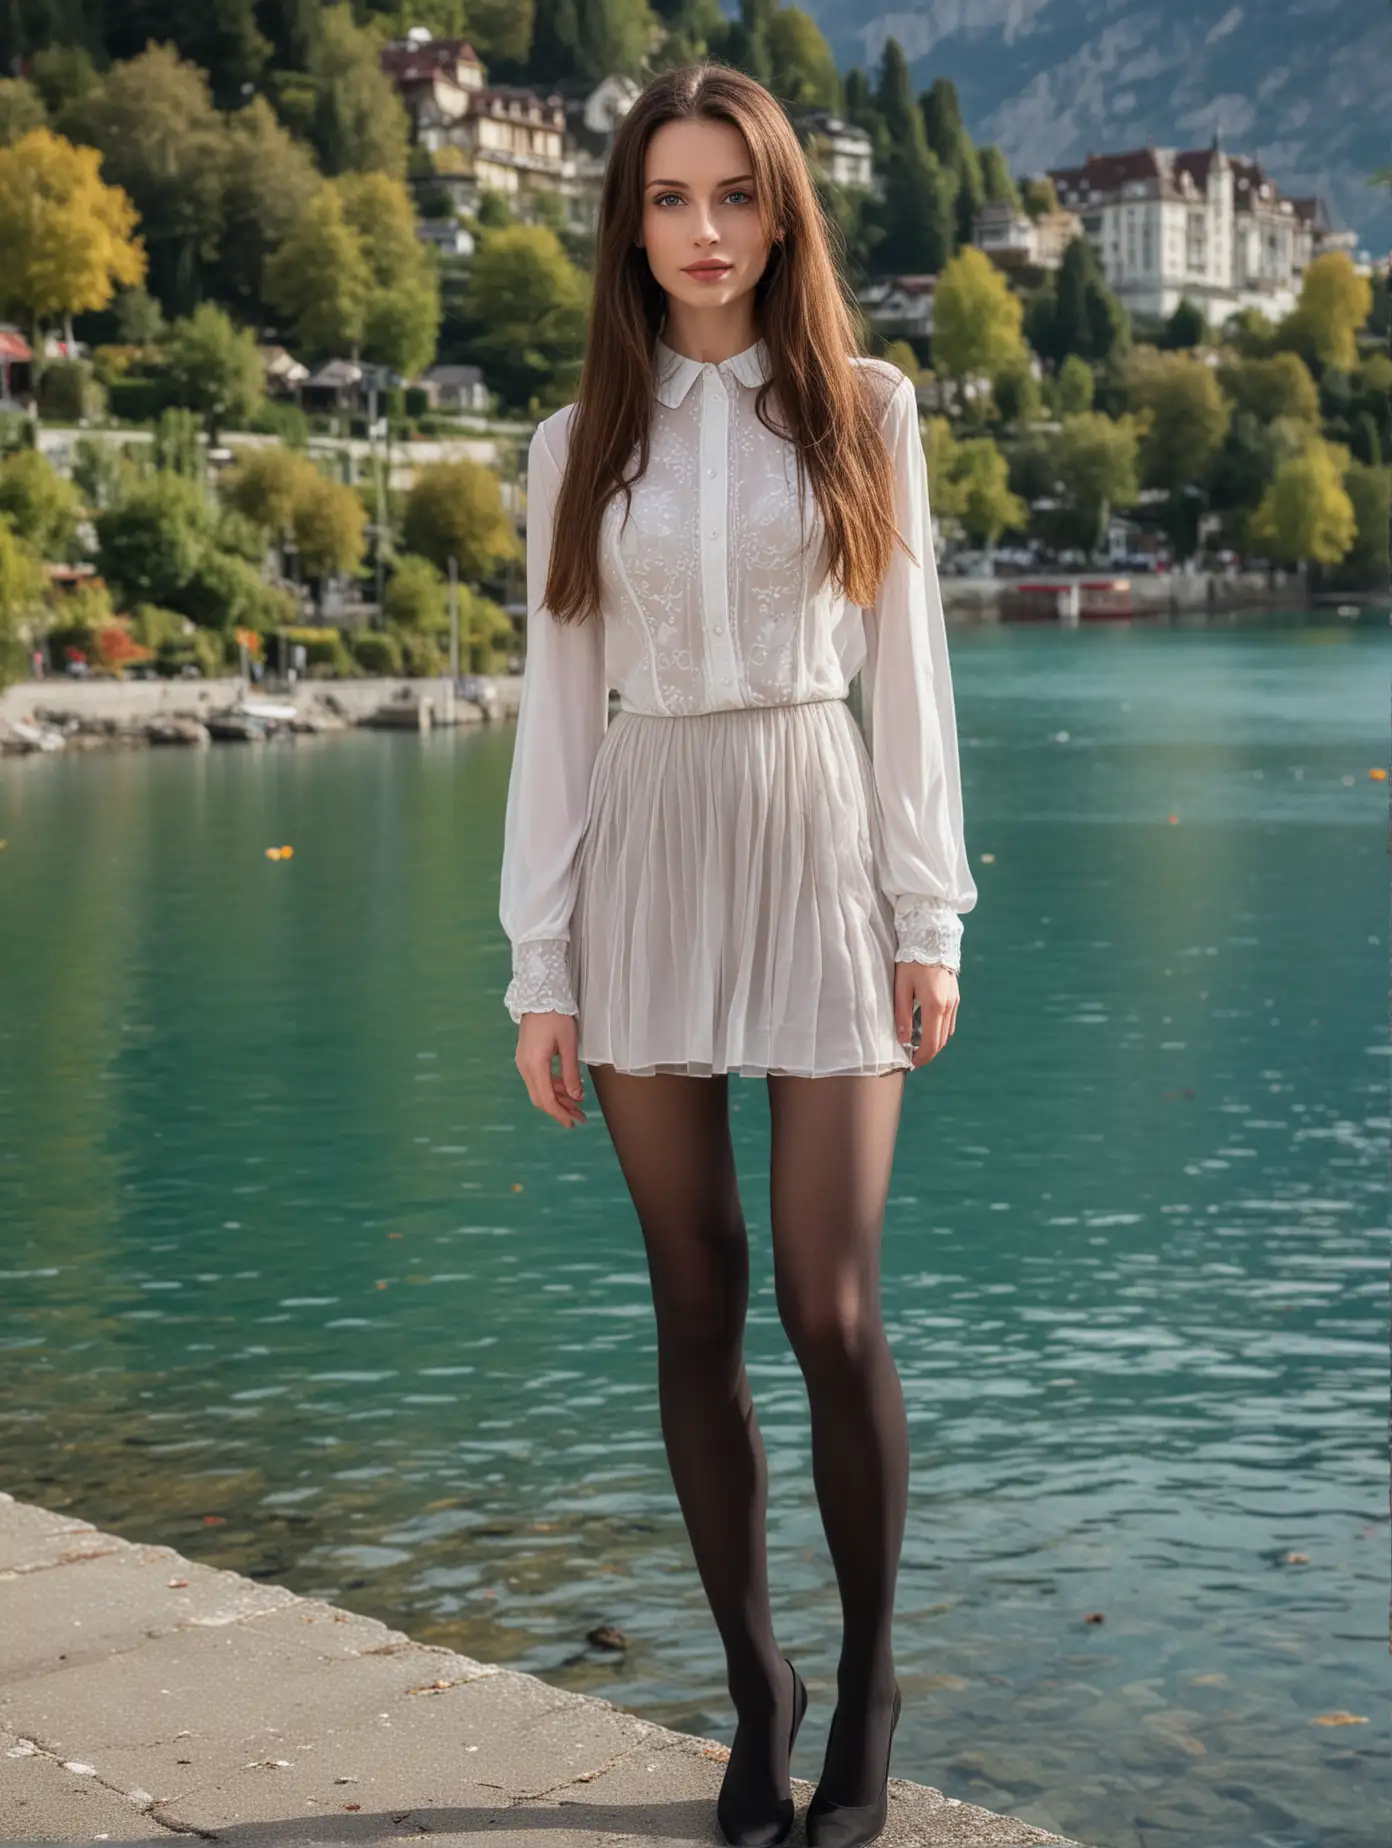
<point x="934" y="988"/>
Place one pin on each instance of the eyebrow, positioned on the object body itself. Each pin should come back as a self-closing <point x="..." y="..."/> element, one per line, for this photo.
<point x="682" y="183"/>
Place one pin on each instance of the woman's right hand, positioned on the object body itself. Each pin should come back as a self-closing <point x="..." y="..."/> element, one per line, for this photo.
<point x="540" y="1037"/>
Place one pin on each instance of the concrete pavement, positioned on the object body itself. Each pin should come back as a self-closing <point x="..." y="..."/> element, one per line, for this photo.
<point x="143" y="1697"/>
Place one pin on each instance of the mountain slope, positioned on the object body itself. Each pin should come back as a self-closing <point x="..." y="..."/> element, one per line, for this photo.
<point x="1297" y="83"/>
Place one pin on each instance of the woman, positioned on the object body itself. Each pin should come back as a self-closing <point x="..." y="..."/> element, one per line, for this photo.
<point x="728" y="524"/>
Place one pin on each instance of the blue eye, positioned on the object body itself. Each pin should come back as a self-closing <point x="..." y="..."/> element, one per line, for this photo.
<point x="735" y="192"/>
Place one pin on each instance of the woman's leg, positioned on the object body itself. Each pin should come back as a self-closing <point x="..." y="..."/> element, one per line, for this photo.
<point x="672" y="1137"/>
<point x="833" y="1149"/>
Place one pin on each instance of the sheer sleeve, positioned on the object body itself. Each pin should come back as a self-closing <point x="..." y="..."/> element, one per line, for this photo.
<point x="907" y="687"/>
<point x="561" y="720"/>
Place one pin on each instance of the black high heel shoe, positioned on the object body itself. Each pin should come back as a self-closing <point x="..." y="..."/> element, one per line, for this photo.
<point x="846" y="1825"/>
<point x="748" y="1825"/>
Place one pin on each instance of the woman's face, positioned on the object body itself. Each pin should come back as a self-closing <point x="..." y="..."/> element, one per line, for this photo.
<point x="699" y="209"/>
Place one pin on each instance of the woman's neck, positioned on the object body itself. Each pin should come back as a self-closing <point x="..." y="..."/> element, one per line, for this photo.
<point x="710" y="335"/>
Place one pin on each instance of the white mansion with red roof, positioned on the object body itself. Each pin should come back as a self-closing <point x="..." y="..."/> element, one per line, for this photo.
<point x="1201" y="223"/>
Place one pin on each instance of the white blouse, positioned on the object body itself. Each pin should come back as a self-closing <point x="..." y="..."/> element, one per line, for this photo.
<point x="710" y="601"/>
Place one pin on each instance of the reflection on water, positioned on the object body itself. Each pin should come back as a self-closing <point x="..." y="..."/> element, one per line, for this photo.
<point x="294" y="1279"/>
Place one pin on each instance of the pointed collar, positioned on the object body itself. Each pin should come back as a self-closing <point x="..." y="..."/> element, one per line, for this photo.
<point x="676" y="372"/>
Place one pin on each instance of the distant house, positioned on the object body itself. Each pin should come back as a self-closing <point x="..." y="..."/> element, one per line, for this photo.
<point x="506" y="138"/>
<point x="334" y="386"/>
<point x="593" y="112"/>
<point x="901" y="305"/>
<point x="841" y="153"/>
<point x="16" y="358"/>
<point x="455" y="388"/>
<point x="1201" y="223"/>
<point x="1016" y="242"/>
<point x="284" y="373"/>
<point x="447" y="236"/>
<point x="346" y="385"/>
<point x="1324" y="235"/>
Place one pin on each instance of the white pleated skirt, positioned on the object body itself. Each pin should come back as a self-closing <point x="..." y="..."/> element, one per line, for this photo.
<point x="728" y="917"/>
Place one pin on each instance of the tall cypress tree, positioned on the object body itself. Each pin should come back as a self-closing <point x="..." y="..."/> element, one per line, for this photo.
<point x="916" y="214"/>
<point x="949" y="140"/>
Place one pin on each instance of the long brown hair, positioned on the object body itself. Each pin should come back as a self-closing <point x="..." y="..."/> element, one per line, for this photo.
<point x="802" y="315"/>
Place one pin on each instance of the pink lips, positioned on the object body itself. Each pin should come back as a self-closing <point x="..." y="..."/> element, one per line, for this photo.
<point x="708" y="270"/>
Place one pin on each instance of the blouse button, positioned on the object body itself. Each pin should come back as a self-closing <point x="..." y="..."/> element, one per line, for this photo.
<point x="720" y="628"/>
<point x="714" y="533"/>
<point x="712" y="473"/>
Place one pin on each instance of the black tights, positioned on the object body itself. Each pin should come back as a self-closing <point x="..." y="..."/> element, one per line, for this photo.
<point x="832" y="1151"/>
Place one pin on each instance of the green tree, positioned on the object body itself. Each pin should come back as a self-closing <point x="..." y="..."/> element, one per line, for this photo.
<point x="1306" y="515"/>
<point x="501" y="30"/>
<point x="589" y="39"/>
<point x="987" y="506"/>
<point x="21" y="109"/>
<point x="804" y="68"/>
<point x="161" y="140"/>
<point x="1250" y="334"/>
<point x="62" y="75"/>
<point x="66" y="237"/>
<point x="527" y="305"/>
<point x="415" y="598"/>
<point x="949" y="140"/>
<point x="917" y="213"/>
<point x="996" y="183"/>
<point x="976" y="320"/>
<point x="320" y="278"/>
<point x="353" y="276"/>
<point x="1366" y="565"/>
<point x="41" y="507"/>
<point x="1076" y="386"/>
<point x="139" y="321"/>
<point x="403" y="316"/>
<point x="21" y="586"/>
<point x="1272" y="388"/>
<point x="1037" y="195"/>
<point x="265" y="485"/>
<point x="1185" y="416"/>
<point x="360" y="124"/>
<point x="177" y="446"/>
<point x="1335" y="302"/>
<point x="940" y="451"/>
<point x="1017" y="394"/>
<point x="220" y="36"/>
<point x="328" y="522"/>
<point x="1077" y="313"/>
<point x="455" y="510"/>
<point x="150" y="545"/>
<point x="214" y="368"/>
<point x="1095" y="462"/>
<point x="269" y="179"/>
<point x="1186" y="327"/>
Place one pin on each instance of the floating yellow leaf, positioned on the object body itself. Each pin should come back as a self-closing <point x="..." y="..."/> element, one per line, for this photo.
<point x="1377" y="773"/>
<point x="1339" y="1718"/>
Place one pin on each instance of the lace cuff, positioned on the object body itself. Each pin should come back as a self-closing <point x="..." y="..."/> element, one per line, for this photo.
<point x="928" y="931"/>
<point x="540" y="978"/>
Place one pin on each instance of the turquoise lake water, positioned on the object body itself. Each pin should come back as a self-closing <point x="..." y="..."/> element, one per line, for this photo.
<point x="293" y="1277"/>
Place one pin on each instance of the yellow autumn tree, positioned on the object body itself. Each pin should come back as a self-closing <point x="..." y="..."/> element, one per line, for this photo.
<point x="1335" y="302"/>
<point x="1306" y="515"/>
<point x="67" y="240"/>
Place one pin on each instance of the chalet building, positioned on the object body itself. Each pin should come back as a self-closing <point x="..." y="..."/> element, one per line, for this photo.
<point x="900" y="307"/>
<point x="837" y="152"/>
<point x="1020" y="245"/>
<point x="501" y="137"/>
<point x="1201" y="223"/>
